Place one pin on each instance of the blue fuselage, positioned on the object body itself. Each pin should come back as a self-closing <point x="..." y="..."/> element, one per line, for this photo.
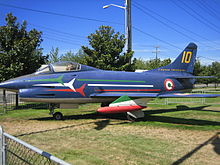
<point x="80" y="85"/>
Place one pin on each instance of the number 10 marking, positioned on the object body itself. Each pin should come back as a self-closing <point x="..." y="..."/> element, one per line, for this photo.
<point x="186" y="58"/>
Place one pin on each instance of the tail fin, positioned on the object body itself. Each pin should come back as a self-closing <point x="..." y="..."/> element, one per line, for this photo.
<point x="184" y="62"/>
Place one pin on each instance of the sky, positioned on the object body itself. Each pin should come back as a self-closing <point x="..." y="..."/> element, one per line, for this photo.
<point x="169" y="24"/>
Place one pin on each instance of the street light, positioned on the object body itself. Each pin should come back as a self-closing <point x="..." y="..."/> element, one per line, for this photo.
<point x="127" y="8"/>
<point x="106" y="6"/>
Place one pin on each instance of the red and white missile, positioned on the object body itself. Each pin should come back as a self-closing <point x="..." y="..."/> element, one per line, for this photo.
<point x="120" y="109"/>
<point x="123" y="104"/>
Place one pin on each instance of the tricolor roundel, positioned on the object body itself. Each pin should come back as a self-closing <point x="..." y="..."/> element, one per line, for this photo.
<point x="169" y="84"/>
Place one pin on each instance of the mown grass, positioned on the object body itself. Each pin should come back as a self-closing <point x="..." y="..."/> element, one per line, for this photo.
<point x="193" y="117"/>
<point x="164" y="136"/>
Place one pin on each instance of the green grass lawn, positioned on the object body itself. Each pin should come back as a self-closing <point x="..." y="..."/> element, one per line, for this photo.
<point x="166" y="135"/>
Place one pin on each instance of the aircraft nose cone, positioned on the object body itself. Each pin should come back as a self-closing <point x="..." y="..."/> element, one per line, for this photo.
<point x="7" y="85"/>
<point x="15" y="83"/>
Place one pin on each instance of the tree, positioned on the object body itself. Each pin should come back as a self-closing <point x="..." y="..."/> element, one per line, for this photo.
<point x="20" y="51"/>
<point x="215" y="71"/>
<point x="53" y="55"/>
<point x="106" y="50"/>
<point x="79" y="57"/>
<point x="205" y="71"/>
<point x="210" y="70"/>
<point x="197" y="68"/>
<point x="151" y="64"/>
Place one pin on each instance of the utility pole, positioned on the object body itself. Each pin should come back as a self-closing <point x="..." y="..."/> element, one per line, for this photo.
<point x="156" y="53"/>
<point x="128" y="34"/>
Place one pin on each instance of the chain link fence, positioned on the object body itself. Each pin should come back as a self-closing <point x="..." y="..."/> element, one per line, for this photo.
<point x="16" y="152"/>
<point x="8" y="102"/>
<point x="3" y="104"/>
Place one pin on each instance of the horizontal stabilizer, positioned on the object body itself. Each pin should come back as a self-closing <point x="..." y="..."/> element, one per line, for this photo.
<point x="188" y="95"/>
<point x="191" y="77"/>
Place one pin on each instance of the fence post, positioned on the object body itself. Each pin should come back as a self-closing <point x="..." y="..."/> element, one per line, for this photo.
<point x="16" y="101"/>
<point x="2" y="147"/>
<point x="203" y="99"/>
<point x="166" y="101"/>
<point x="4" y="101"/>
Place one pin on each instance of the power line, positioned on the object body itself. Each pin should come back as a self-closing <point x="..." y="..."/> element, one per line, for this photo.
<point x="156" y="38"/>
<point x="210" y="7"/>
<point x="194" y="11"/>
<point x="208" y="58"/>
<point x="58" y="31"/>
<point x="82" y="18"/>
<point x="66" y="42"/>
<point x="168" y="20"/>
<point x="165" y="24"/>
<point x="195" y="17"/>
<point x="59" y="14"/>
<point x="61" y="35"/>
<point x="207" y="8"/>
<point x="216" y="1"/>
<point x="57" y="36"/>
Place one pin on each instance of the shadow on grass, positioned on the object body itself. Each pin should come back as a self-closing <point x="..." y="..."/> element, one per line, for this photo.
<point x="214" y="140"/>
<point x="99" y="126"/>
<point x="54" y="129"/>
<point x="182" y="121"/>
<point x="179" y="108"/>
<point x="88" y="116"/>
<point x="105" y="120"/>
<point x="118" y="116"/>
<point x="102" y="124"/>
<point x="149" y="116"/>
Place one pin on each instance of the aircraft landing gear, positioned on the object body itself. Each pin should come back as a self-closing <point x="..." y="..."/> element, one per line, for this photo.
<point x="134" y="115"/>
<point x="105" y="104"/>
<point x="131" y="118"/>
<point x="56" y="115"/>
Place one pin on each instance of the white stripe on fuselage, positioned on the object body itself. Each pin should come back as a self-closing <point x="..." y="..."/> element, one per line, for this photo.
<point x="118" y="85"/>
<point x="69" y="84"/>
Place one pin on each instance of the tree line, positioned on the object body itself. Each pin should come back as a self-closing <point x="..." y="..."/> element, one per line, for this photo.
<point x="20" y="53"/>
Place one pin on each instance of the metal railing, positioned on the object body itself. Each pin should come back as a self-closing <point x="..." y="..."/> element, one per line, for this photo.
<point x="14" y="151"/>
<point x="210" y="101"/>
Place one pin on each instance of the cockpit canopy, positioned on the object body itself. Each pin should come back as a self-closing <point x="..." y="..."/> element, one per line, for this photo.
<point x="64" y="66"/>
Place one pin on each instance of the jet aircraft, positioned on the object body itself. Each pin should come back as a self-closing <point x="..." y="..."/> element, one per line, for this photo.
<point x="65" y="84"/>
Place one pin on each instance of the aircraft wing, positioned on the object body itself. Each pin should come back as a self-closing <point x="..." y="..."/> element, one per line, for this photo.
<point x="155" y="95"/>
<point x="139" y="95"/>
